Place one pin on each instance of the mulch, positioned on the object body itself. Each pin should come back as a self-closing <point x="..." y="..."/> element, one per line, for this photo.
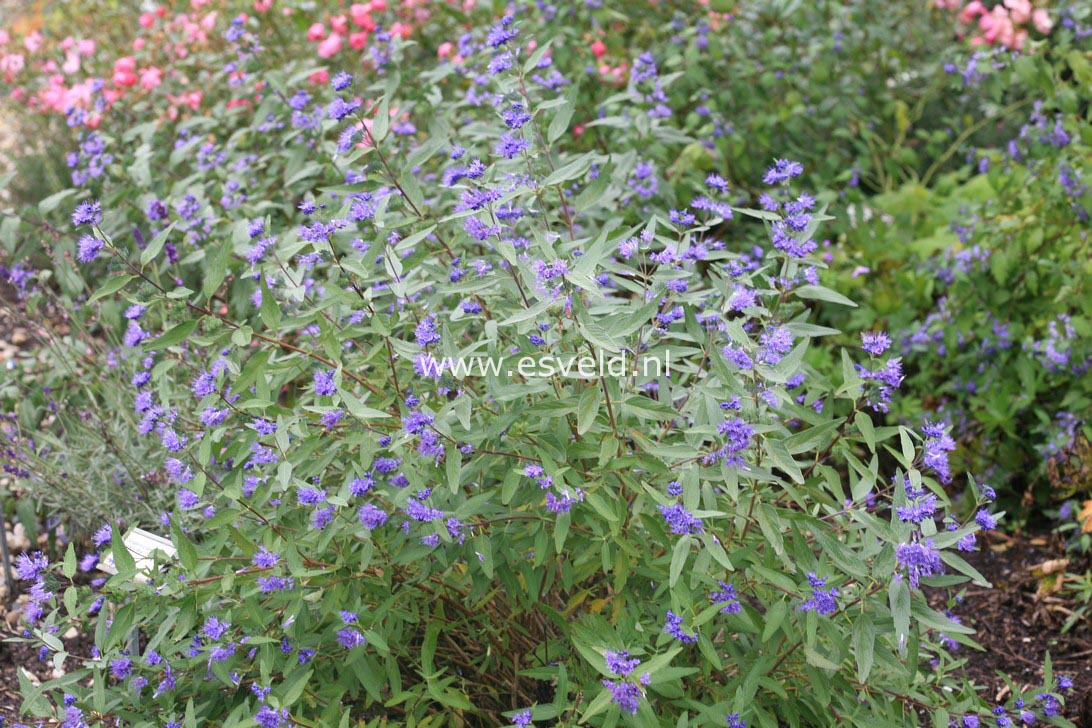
<point x="1020" y="621"/>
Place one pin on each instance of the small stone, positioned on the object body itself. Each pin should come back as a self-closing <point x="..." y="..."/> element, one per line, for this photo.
<point x="19" y="336"/>
<point x="71" y="634"/>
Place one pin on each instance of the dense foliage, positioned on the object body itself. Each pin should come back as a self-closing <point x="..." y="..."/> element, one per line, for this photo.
<point x="541" y="365"/>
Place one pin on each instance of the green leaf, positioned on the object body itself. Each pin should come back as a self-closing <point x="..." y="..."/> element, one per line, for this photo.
<point x="864" y="426"/>
<point x="819" y="293"/>
<point x="111" y="287"/>
<point x="587" y="409"/>
<point x="775" y="617"/>
<point x="69" y="568"/>
<point x="647" y="409"/>
<point x="899" y="599"/>
<point x="174" y="335"/>
<point x="123" y="560"/>
<point x="864" y="646"/>
<point x="382" y="122"/>
<point x="217" y="259"/>
<point x="156" y="245"/>
<point x="51" y="203"/>
<point x="678" y="559"/>
<point x="564" y="114"/>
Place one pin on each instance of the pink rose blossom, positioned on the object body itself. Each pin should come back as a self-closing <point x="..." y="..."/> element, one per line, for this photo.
<point x="1019" y="10"/>
<point x="1040" y="18"/>
<point x="150" y="78"/>
<point x="316" y="32"/>
<point x="33" y="41"/>
<point x="330" y="47"/>
<point x="358" y="41"/>
<point x="971" y="11"/>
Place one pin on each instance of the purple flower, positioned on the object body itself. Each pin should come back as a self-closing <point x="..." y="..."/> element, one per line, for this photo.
<point x="324" y="383"/>
<point x="121" y="668"/>
<point x="726" y="596"/>
<point x="215" y="628"/>
<point x="716" y="182"/>
<point x="341" y="81"/>
<point x="187" y="499"/>
<point x="782" y="171"/>
<point x="359" y="486"/>
<point x="426" y="333"/>
<point x="734" y="721"/>
<point x="88" y="212"/>
<point x="501" y="33"/>
<point x="985" y="520"/>
<point x="875" y="343"/>
<point x="510" y="146"/>
<point x="680" y="520"/>
<point x="349" y="638"/>
<point x="268" y="717"/>
<point x="776" y="341"/>
<point x="673" y="627"/>
<point x="102" y="536"/>
<point x="29" y="567"/>
<point x="937" y="446"/>
<point x="88" y="249"/>
<point x="822" y="600"/>
<point x="919" y="558"/>
<point x="264" y="558"/>
<point x="626" y="695"/>
<point x="620" y="663"/>
<point x="371" y="517"/>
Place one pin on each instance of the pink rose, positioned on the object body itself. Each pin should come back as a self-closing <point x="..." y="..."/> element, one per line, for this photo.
<point x="316" y="32"/>
<point x="1040" y="18"/>
<point x="150" y="78"/>
<point x="402" y="30"/>
<point x="86" y="47"/>
<point x="599" y="49"/>
<point x="444" y="50"/>
<point x="125" y="71"/>
<point x="358" y="41"/>
<point x="33" y="41"/>
<point x="340" y="24"/>
<point x="1019" y="10"/>
<point x="971" y="11"/>
<point x="330" y="47"/>
<point x="147" y="20"/>
<point x="71" y="63"/>
<point x="320" y="77"/>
